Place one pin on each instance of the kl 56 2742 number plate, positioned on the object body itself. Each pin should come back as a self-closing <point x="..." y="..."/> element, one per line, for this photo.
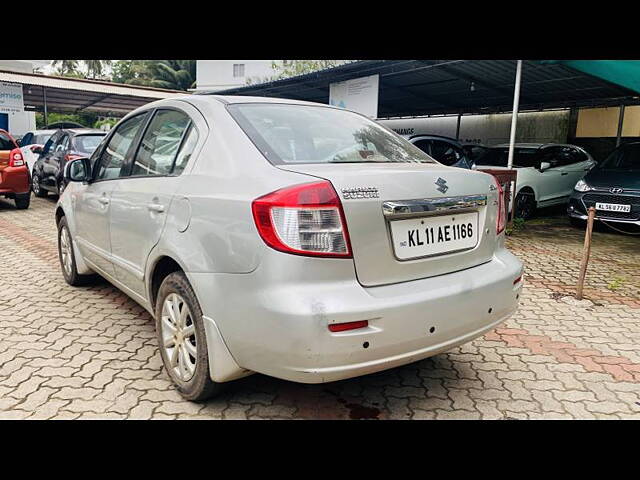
<point x="421" y="237"/>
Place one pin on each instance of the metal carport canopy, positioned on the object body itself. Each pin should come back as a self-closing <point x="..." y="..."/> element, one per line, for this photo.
<point x="438" y="87"/>
<point x="65" y="94"/>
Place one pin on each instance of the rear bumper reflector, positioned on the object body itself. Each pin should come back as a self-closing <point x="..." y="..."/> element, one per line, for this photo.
<point x="341" y="327"/>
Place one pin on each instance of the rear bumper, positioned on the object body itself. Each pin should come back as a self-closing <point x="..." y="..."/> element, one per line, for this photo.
<point x="280" y="328"/>
<point x="14" y="180"/>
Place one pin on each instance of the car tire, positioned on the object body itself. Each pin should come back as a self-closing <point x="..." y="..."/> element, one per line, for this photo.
<point x="37" y="189"/>
<point x="186" y="363"/>
<point x="525" y="205"/>
<point x="23" y="200"/>
<point x="66" y="254"/>
<point x="578" y="223"/>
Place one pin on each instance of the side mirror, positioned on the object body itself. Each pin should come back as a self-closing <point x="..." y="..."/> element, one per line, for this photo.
<point x="544" y="166"/>
<point x="78" y="170"/>
<point x="36" y="148"/>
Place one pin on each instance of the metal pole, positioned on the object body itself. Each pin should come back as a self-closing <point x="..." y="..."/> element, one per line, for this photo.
<point x="514" y="115"/>
<point x="458" y="127"/>
<point x="586" y="251"/>
<point x="44" y="96"/>
<point x="620" y="122"/>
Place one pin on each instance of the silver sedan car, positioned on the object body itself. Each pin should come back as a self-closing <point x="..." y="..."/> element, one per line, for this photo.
<point x="288" y="238"/>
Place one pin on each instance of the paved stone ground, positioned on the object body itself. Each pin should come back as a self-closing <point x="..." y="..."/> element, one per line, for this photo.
<point x="91" y="352"/>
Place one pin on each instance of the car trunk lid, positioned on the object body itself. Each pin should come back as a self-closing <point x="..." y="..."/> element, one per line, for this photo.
<point x="385" y="202"/>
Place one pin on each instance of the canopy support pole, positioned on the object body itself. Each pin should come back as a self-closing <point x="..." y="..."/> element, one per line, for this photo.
<point x="458" y="127"/>
<point x="44" y="98"/>
<point x="514" y="115"/>
<point x="620" y="122"/>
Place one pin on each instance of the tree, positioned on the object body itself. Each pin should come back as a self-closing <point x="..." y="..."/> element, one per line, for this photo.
<point x="291" y="68"/>
<point x="96" y="68"/>
<point x="66" y="68"/>
<point x="170" y="74"/>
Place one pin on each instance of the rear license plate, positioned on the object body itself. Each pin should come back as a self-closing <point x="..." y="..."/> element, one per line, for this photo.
<point x="421" y="237"/>
<point x="613" y="207"/>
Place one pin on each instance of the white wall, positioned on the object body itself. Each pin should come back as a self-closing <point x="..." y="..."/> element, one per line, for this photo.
<point x="543" y="127"/>
<point x="218" y="74"/>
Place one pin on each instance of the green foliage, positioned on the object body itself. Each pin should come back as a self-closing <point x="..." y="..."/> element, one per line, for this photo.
<point x="291" y="68"/>
<point x="87" y="119"/>
<point x="616" y="283"/>
<point x="94" y="69"/>
<point x="106" y="121"/>
<point x="169" y="74"/>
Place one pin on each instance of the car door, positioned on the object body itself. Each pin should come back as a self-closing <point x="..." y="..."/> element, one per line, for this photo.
<point x="139" y="204"/>
<point x="551" y="182"/>
<point x="92" y="204"/>
<point x="47" y="151"/>
<point x="52" y="161"/>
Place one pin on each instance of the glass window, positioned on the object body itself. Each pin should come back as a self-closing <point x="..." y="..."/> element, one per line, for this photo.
<point x="309" y="134"/>
<point x="49" y="145"/>
<point x="160" y="143"/>
<point x="42" y="138"/>
<point x="5" y="142"/>
<point x="499" y="156"/>
<point x="238" y="70"/>
<point x="186" y="150"/>
<point x="626" y="157"/>
<point x="26" y="140"/>
<point x="424" y="145"/>
<point x="113" y="156"/>
<point x="87" y="143"/>
<point x="445" y="153"/>
<point x="62" y="144"/>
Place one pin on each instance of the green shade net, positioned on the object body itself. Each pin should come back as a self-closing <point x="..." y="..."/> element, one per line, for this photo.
<point x="625" y="73"/>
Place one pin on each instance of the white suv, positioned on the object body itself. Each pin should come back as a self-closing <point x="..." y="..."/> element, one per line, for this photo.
<point x="289" y="238"/>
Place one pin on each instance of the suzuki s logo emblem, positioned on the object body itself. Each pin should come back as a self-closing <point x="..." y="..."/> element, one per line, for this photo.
<point x="442" y="185"/>
<point x="616" y="190"/>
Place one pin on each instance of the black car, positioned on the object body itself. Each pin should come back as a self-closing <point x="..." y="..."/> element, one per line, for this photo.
<point x="612" y="187"/>
<point x="64" y="145"/>
<point x="445" y="150"/>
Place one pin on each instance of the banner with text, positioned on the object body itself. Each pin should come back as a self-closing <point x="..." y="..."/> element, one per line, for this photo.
<point x="358" y="94"/>
<point x="11" y="99"/>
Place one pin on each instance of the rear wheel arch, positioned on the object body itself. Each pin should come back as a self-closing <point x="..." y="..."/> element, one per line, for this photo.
<point x="161" y="268"/>
<point x="59" y="214"/>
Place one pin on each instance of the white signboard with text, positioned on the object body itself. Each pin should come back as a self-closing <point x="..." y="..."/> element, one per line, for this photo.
<point x="358" y="94"/>
<point x="11" y="99"/>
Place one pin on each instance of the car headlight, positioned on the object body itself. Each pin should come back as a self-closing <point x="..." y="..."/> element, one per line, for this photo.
<point x="582" y="186"/>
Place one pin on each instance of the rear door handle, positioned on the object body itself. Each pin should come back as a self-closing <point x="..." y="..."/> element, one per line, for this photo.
<point x="156" y="207"/>
<point x="564" y="173"/>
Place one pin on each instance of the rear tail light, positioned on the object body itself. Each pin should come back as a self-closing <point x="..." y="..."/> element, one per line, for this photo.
<point x="502" y="214"/>
<point x="341" y="327"/>
<point x="15" y="158"/>
<point x="70" y="156"/>
<point x="304" y="219"/>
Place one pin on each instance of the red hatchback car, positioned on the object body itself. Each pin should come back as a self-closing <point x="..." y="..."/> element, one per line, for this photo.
<point x="14" y="174"/>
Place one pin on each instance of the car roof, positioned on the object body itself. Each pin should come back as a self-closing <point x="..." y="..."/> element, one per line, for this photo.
<point x="42" y="132"/>
<point x="83" y="131"/>
<point x="233" y="99"/>
<point x="439" y="137"/>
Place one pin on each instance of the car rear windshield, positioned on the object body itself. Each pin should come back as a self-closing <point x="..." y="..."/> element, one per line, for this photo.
<point x="626" y="157"/>
<point x="6" y="143"/>
<point x="88" y="143"/>
<point x="41" y="138"/>
<point x="498" y="157"/>
<point x="288" y="134"/>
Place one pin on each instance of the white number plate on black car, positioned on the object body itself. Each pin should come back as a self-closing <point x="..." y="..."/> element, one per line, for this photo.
<point x="613" y="207"/>
<point x="421" y="237"/>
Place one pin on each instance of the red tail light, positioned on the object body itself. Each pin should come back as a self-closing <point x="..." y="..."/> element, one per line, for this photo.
<point x="502" y="214"/>
<point x="70" y="156"/>
<point x="15" y="158"/>
<point x="304" y="219"/>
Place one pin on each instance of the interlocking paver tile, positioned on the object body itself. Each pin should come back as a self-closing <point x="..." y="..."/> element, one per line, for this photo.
<point x="91" y="352"/>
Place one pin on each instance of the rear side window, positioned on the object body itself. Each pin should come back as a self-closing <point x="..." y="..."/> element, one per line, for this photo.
<point x="160" y="143"/>
<point x="186" y="150"/>
<point x="6" y="143"/>
<point x="445" y="153"/>
<point x="87" y="143"/>
<point x="26" y="140"/>
<point x="113" y="156"/>
<point x="41" y="139"/>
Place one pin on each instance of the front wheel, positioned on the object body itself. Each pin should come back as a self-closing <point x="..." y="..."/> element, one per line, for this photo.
<point x="182" y="340"/>
<point x="525" y="205"/>
<point x="67" y="257"/>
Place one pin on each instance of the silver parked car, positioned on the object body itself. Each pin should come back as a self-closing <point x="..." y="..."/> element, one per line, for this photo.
<point x="288" y="238"/>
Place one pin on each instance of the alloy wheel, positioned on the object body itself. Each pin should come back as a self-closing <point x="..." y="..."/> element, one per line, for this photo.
<point x="35" y="184"/>
<point x="179" y="337"/>
<point x="65" y="251"/>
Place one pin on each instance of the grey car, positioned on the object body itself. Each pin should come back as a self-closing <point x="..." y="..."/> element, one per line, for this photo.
<point x="288" y="238"/>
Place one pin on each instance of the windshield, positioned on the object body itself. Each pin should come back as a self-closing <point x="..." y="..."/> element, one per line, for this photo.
<point x="309" y="134"/>
<point x="626" y="157"/>
<point x="41" y="138"/>
<point x="498" y="157"/>
<point x="88" y="143"/>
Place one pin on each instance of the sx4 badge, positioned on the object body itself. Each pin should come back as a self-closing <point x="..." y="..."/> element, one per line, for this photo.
<point x="360" y="192"/>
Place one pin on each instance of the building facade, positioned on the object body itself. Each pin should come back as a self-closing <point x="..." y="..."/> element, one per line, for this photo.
<point x="214" y="75"/>
<point x="19" y="123"/>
